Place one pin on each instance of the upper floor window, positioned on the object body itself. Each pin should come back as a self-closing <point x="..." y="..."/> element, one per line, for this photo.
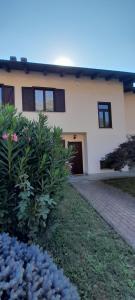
<point x="49" y="100"/>
<point x="6" y="94"/>
<point x="104" y="115"/>
<point x="39" y="100"/>
<point x="43" y="99"/>
<point x="0" y="95"/>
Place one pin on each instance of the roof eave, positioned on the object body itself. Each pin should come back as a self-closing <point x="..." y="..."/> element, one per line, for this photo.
<point x="126" y="77"/>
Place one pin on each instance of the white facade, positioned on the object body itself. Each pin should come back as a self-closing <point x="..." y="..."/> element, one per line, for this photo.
<point x="80" y="120"/>
<point x="129" y="100"/>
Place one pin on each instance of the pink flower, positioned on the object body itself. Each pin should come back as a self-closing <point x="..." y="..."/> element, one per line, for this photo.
<point x="5" y="136"/>
<point x="14" y="137"/>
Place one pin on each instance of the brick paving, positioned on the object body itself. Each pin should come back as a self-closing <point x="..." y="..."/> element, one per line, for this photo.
<point x="115" y="206"/>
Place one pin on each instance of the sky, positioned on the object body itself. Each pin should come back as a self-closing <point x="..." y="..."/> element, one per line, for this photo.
<point x="90" y="33"/>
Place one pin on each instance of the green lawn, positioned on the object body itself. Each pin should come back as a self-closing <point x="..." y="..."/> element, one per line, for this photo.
<point x="125" y="184"/>
<point x="93" y="256"/>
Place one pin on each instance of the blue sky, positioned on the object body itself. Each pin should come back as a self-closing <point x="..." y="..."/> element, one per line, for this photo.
<point x="92" y="33"/>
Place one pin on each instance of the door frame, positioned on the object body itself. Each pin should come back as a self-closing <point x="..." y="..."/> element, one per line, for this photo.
<point x="78" y="137"/>
<point x="76" y="141"/>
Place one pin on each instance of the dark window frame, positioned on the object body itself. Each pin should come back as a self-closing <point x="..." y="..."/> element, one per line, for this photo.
<point x="25" y="106"/>
<point x="2" y="86"/>
<point x="39" y="89"/>
<point x="52" y="90"/>
<point x="29" y="100"/>
<point x="44" y="98"/>
<point x="109" y="110"/>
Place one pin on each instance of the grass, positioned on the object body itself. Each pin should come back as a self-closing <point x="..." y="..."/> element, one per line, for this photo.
<point x="92" y="255"/>
<point x="125" y="184"/>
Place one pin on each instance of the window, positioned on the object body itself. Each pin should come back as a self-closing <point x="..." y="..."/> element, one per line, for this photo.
<point x="6" y="95"/>
<point x="104" y="115"/>
<point x="49" y="102"/>
<point x="44" y="100"/>
<point x="39" y="100"/>
<point x="0" y="95"/>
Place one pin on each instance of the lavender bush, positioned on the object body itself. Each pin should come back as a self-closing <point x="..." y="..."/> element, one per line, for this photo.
<point x="28" y="273"/>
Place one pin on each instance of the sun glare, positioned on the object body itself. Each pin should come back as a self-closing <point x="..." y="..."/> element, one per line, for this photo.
<point x="64" y="61"/>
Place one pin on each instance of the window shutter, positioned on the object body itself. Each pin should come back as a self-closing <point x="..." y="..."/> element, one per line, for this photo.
<point x="59" y="100"/>
<point x="8" y="95"/>
<point x="28" y="102"/>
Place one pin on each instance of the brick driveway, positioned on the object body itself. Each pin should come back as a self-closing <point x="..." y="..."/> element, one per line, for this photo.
<point x="115" y="206"/>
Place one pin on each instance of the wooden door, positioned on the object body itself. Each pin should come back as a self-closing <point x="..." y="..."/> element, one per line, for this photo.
<point x="77" y="160"/>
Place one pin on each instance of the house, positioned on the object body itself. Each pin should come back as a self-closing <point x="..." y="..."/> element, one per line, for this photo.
<point x="95" y="108"/>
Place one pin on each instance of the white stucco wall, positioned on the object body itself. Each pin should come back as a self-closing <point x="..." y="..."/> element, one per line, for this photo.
<point x="81" y="116"/>
<point x="130" y="113"/>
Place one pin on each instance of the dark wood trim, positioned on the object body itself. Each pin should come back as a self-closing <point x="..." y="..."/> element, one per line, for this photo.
<point x="1" y="86"/>
<point x="44" y="89"/>
<point x="45" y="73"/>
<point x="78" y="75"/>
<point x="77" y="160"/>
<point x="44" y="96"/>
<point x="59" y="101"/>
<point x="3" y="94"/>
<point x="13" y="92"/>
<point x="94" y="76"/>
<point x="24" y="106"/>
<point x="26" y="70"/>
<point x="40" y="89"/>
<point x="61" y="74"/>
<point x="103" y="110"/>
<point x="8" y="69"/>
<point x="58" y="98"/>
<point x="68" y="70"/>
<point x="45" y="99"/>
<point x="109" y="77"/>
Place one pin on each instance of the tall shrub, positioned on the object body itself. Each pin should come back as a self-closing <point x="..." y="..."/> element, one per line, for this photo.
<point x="123" y="155"/>
<point x="32" y="171"/>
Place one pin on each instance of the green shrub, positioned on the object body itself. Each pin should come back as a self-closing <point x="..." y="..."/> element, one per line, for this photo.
<point x="32" y="171"/>
<point x="122" y="156"/>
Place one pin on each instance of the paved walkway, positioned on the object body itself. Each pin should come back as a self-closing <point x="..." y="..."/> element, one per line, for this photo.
<point x="115" y="206"/>
<point x="104" y="175"/>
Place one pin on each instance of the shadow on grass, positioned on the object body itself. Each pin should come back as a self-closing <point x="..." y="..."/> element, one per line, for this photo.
<point x="92" y="255"/>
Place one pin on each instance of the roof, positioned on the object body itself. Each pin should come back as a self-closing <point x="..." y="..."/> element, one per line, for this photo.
<point x="128" y="78"/>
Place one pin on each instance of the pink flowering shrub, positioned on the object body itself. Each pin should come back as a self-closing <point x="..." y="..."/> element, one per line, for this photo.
<point x="14" y="137"/>
<point x="7" y="136"/>
<point x="32" y="172"/>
